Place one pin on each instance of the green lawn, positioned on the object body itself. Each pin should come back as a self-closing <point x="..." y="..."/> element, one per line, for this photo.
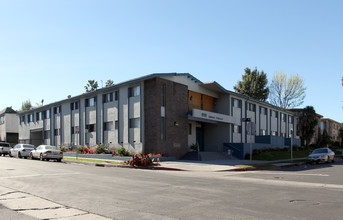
<point x="92" y="160"/>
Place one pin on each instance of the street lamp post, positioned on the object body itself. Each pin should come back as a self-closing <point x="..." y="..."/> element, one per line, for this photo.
<point x="292" y="145"/>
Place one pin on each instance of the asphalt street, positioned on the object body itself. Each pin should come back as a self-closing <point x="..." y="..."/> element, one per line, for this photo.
<point x="51" y="190"/>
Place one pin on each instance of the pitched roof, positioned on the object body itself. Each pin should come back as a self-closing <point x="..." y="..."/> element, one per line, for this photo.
<point x="8" y="110"/>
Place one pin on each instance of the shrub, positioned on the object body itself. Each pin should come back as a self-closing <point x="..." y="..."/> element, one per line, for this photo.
<point x="85" y="150"/>
<point x="139" y="160"/>
<point x="79" y="149"/>
<point x="123" y="152"/>
<point x="194" y="148"/>
<point x="102" y="148"/>
<point x="62" y="149"/>
<point x="92" y="151"/>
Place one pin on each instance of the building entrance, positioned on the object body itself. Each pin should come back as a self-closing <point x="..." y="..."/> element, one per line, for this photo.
<point x="36" y="138"/>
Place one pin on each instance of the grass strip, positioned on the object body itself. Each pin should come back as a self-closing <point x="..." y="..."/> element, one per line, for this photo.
<point x="92" y="160"/>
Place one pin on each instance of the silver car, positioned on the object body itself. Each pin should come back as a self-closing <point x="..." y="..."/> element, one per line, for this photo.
<point x="47" y="152"/>
<point x="322" y="155"/>
<point x="21" y="150"/>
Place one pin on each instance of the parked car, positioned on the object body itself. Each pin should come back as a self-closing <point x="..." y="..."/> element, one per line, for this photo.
<point x="47" y="152"/>
<point x="322" y="155"/>
<point x="21" y="150"/>
<point x="4" y="148"/>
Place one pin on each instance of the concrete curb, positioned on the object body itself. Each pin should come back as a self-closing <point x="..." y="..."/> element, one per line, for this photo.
<point x="268" y="168"/>
<point x="123" y="166"/>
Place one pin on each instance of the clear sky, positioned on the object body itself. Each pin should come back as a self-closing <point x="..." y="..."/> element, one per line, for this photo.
<point x="49" y="49"/>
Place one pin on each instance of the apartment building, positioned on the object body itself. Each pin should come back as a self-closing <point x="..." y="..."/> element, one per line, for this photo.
<point x="9" y="125"/>
<point x="161" y="113"/>
<point x="331" y="126"/>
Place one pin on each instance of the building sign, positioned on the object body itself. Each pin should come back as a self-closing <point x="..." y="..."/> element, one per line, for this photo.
<point x="197" y="113"/>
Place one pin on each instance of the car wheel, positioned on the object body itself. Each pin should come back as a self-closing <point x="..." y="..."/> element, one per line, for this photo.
<point x="31" y="157"/>
<point x="333" y="160"/>
<point x="41" y="157"/>
<point x="59" y="160"/>
<point x="328" y="159"/>
<point x="10" y="154"/>
<point x="19" y="155"/>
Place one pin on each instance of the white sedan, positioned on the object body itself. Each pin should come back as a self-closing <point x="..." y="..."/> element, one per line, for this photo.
<point x="47" y="152"/>
<point x="322" y="155"/>
<point x="21" y="150"/>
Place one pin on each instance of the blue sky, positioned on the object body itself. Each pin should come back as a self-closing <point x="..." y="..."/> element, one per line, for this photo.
<point x="49" y="49"/>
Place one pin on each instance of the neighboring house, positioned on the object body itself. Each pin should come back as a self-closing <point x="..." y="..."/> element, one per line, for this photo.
<point x="160" y="113"/>
<point x="317" y="132"/>
<point x="331" y="126"/>
<point x="9" y="126"/>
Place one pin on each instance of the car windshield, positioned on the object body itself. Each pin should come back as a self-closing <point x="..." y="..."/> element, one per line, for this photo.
<point x="50" y="148"/>
<point x="319" y="151"/>
<point x="29" y="146"/>
<point x="4" y="144"/>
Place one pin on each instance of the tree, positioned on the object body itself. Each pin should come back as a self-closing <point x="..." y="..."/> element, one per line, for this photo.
<point x="253" y="84"/>
<point x="340" y="133"/>
<point x="26" y="105"/>
<point x="325" y="139"/>
<point x="91" y="86"/>
<point x="287" y="92"/>
<point x="307" y="125"/>
<point x="109" y="83"/>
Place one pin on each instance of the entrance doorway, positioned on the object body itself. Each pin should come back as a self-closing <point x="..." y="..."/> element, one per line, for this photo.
<point x="36" y="137"/>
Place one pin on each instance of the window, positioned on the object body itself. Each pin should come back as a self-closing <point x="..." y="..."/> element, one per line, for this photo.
<point x="237" y="129"/>
<point x="283" y="117"/>
<point x="116" y="125"/>
<point x="163" y="95"/>
<point x="38" y="116"/>
<point x="134" y="91"/>
<point x="47" y="114"/>
<point x="262" y="132"/>
<point x="90" y="127"/>
<point x="116" y="95"/>
<point x="30" y="118"/>
<point x="263" y="111"/>
<point x="107" y="97"/>
<point x="2" y="120"/>
<point x="74" y="105"/>
<point x="237" y="103"/>
<point x="57" y="110"/>
<point x="163" y="126"/>
<point x="190" y="129"/>
<point x="57" y="132"/>
<point x="23" y="118"/>
<point x="273" y="113"/>
<point x="90" y="102"/>
<point x="134" y="122"/>
<point x="252" y="107"/>
<point x="291" y="119"/>
<point x="274" y="133"/>
<point x="75" y="130"/>
<point x="47" y="134"/>
<point x="108" y="126"/>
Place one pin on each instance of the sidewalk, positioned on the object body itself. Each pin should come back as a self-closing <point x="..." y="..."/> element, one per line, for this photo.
<point x="225" y="165"/>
